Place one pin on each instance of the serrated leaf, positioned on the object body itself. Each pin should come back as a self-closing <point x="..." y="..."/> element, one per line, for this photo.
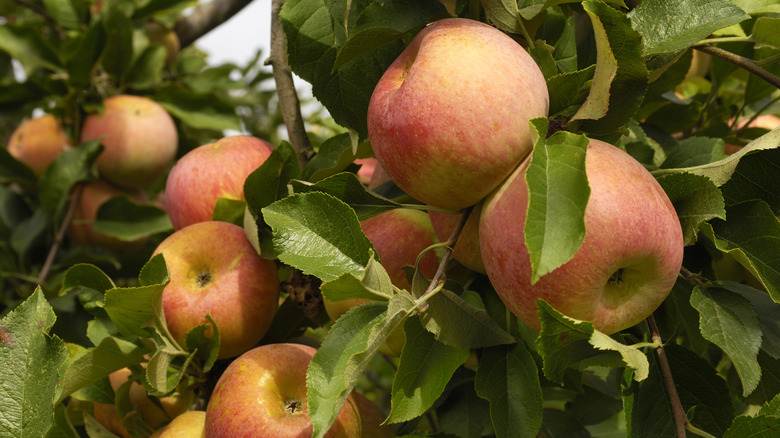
<point x="128" y="221"/>
<point x="268" y="182"/>
<point x="754" y="177"/>
<point x="198" y="110"/>
<point x="425" y="367"/>
<point x="229" y="210"/>
<point x="375" y="284"/>
<point x="132" y="308"/>
<point x="29" y="363"/>
<point x="98" y="362"/>
<point x="68" y="168"/>
<point x="85" y="275"/>
<point x="695" y="199"/>
<point x="345" y="353"/>
<point x="28" y="47"/>
<point x="319" y="235"/>
<point x="568" y="89"/>
<point x="684" y="22"/>
<point x="771" y="407"/>
<point x="730" y="322"/>
<point x="160" y="378"/>
<point x="566" y="343"/>
<point x="752" y="235"/>
<point x="631" y="356"/>
<point x="508" y="378"/>
<point x="205" y="347"/>
<point x="760" y="426"/>
<point x="333" y="156"/>
<point x="348" y="188"/>
<point x="147" y="70"/>
<point x="558" y="193"/>
<point x="694" y="151"/>
<point x="768" y="313"/>
<point x="504" y="14"/>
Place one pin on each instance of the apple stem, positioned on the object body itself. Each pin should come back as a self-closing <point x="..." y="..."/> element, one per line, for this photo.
<point x="73" y="201"/>
<point x="437" y="282"/>
<point x="680" y="418"/>
<point x="741" y="62"/>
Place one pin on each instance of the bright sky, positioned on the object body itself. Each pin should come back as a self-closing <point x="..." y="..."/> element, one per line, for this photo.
<point x="238" y="39"/>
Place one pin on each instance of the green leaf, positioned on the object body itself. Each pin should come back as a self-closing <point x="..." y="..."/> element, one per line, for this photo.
<point x="375" y="284"/>
<point x="754" y="177"/>
<point x="463" y="413"/>
<point x="558" y="193"/>
<point x="730" y="322"/>
<point x="721" y="171"/>
<point x="13" y="170"/>
<point x="508" y="378"/>
<point x="160" y="377"/>
<point x="132" y="308"/>
<point x="27" y="232"/>
<point x="84" y="275"/>
<point x="29" y="363"/>
<point x="68" y="14"/>
<point x="147" y="70"/>
<point x="124" y="219"/>
<point x="333" y="156"/>
<point x="29" y="47"/>
<point x="345" y="353"/>
<point x="319" y="235"/>
<point x="198" y="110"/>
<point x="765" y="30"/>
<point x="695" y="199"/>
<point x="760" y="426"/>
<point x="620" y="80"/>
<point x="85" y="55"/>
<point x="684" y="22"/>
<point x="229" y="210"/>
<point x="504" y="14"/>
<point x="568" y="343"/>
<point x="70" y="166"/>
<point x="61" y="427"/>
<point x="98" y="362"/>
<point x="567" y="90"/>
<point x="752" y="236"/>
<point x="694" y="151"/>
<point x="347" y="187"/>
<point x="771" y="407"/>
<point x="425" y="368"/>
<point x="118" y="52"/>
<point x="205" y="347"/>
<point x="768" y="313"/>
<point x="268" y="182"/>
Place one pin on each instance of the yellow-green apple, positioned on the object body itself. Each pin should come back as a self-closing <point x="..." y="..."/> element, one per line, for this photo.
<point x="262" y="393"/>
<point x="448" y="120"/>
<point x="398" y="237"/>
<point x="36" y="142"/>
<point x="161" y="35"/>
<point x="215" y="270"/>
<point x="139" y="137"/>
<point x="208" y="172"/>
<point x="172" y="406"/>
<point x="628" y="261"/>
<point x="93" y="195"/>
<point x="371" y="419"/>
<point x="191" y="424"/>
<point x="466" y="250"/>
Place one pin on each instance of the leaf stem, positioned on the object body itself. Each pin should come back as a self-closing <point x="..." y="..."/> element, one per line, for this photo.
<point x="680" y="418"/>
<point x="740" y="61"/>
<point x="645" y="344"/>
<point x="698" y="432"/>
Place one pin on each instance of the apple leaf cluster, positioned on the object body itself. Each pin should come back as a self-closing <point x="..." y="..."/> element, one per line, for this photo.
<point x="678" y="85"/>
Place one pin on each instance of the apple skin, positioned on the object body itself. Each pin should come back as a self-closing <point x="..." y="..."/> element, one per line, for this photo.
<point x="215" y="270"/>
<point x="93" y="195"/>
<point x="366" y="170"/>
<point x="37" y="142"/>
<point x="371" y="418"/>
<point x="466" y="251"/>
<point x="398" y="237"/>
<point x="191" y="424"/>
<point x="262" y="393"/>
<point x="631" y="226"/>
<point x="448" y="120"/>
<point x="765" y="121"/>
<point x="208" y="172"/>
<point x="139" y="137"/>
<point x="160" y="35"/>
<point x="173" y="405"/>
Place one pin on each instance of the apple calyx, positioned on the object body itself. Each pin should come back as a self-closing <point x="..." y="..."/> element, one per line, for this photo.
<point x="202" y="279"/>
<point x="293" y="407"/>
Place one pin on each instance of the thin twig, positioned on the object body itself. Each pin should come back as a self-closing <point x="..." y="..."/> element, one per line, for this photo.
<point x="680" y="418"/>
<point x="285" y="89"/>
<point x="742" y="62"/>
<point x="438" y="277"/>
<point x="204" y="18"/>
<point x="73" y="201"/>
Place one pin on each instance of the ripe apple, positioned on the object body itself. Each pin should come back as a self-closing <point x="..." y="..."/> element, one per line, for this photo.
<point x="215" y="270"/>
<point x="191" y="424"/>
<point x="262" y="393"/>
<point x="172" y="406"/>
<point x="398" y="236"/>
<point x="36" y="142"/>
<point x="372" y="418"/>
<point x="448" y="120"/>
<point x="378" y="177"/>
<point x="764" y="121"/>
<point x="466" y="250"/>
<point x="208" y="172"/>
<point x="93" y="195"/>
<point x="627" y="264"/>
<point x="139" y="137"/>
<point x="366" y="170"/>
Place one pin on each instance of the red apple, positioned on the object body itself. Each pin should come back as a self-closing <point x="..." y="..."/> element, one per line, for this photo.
<point x="215" y="270"/>
<point x="172" y="406"/>
<point x="139" y="137"/>
<point x="627" y="264"/>
<point x="466" y="250"/>
<point x="448" y="120"/>
<point x="366" y="170"/>
<point x="191" y="424"/>
<point x="765" y="121"/>
<point x="372" y="418"/>
<point x="93" y="195"/>
<point x="36" y="142"/>
<point x="262" y="393"/>
<point x="211" y="171"/>
<point x="398" y="236"/>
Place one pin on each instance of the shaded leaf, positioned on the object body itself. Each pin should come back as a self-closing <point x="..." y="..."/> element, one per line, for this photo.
<point x="695" y="199"/>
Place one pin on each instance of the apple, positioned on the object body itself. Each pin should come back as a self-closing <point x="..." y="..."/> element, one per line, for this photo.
<point x="448" y="120"/>
<point x="160" y="35"/>
<point x="191" y="424"/>
<point x="378" y="177"/>
<point x="208" y="172"/>
<point x="262" y="393"/>
<point x="628" y="261"/>
<point x="93" y="195"/>
<point x="215" y="270"/>
<point x="371" y="418"/>
<point x="398" y="237"/>
<point x="466" y="250"/>
<point x="36" y="142"/>
<point x="172" y="406"/>
<point x="764" y="121"/>
<point x="139" y="137"/>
